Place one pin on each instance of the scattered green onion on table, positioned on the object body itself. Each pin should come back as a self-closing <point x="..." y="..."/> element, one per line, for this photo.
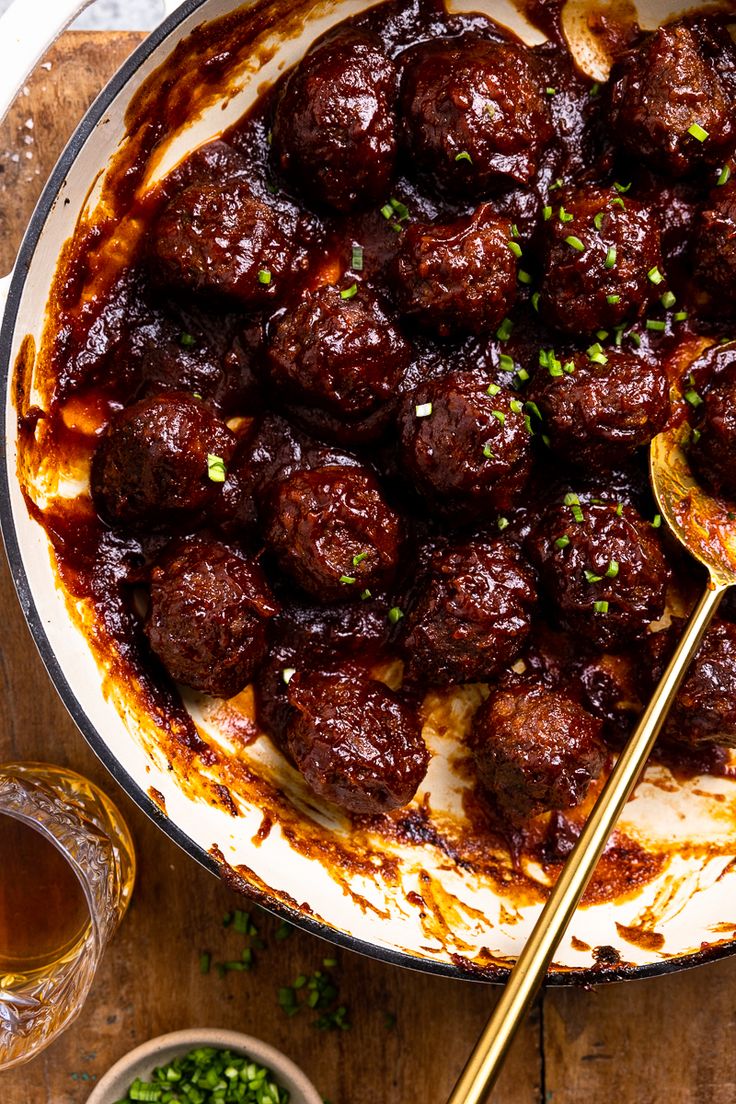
<point x="208" y="1076"/>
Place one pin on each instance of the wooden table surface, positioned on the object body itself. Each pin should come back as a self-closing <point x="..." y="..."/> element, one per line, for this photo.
<point x="667" y="1039"/>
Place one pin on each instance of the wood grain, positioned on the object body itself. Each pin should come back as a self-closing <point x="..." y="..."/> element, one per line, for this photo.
<point x="668" y="1039"/>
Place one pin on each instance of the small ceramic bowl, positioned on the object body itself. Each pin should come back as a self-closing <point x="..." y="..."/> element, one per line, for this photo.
<point x="157" y="1052"/>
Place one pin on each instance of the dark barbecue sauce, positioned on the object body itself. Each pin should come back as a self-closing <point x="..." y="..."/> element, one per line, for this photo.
<point x="132" y="323"/>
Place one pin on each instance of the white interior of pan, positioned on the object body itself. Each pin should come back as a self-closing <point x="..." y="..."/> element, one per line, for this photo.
<point x="688" y="904"/>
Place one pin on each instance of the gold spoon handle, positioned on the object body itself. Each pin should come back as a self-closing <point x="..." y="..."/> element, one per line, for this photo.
<point x="484" y="1064"/>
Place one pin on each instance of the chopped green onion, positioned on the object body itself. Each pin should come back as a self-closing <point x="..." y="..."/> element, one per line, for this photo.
<point x="601" y="334"/>
<point x="635" y="339"/>
<point x="488" y="452"/>
<point x="550" y="90"/>
<point x="657" y="521"/>
<point x="681" y="316"/>
<point x="423" y="410"/>
<point x="503" y="523"/>
<point x="357" y="560"/>
<point x="557" y="184"/>
<point x="516" y="406"/>
<point x="612" y="570"/>
<point x="598" y="220"/>
<point x="493" y="389"/>
<point x="534" y="409"/>
<point x="204" y="963"/>
<point x="504" y="331"/>
<point x="656" y="325"/>
<point x="573" y="502"/>
<point x="568" y="367"/>
<point x="387" y="211"/>
<point x="622" y="189"/>
<point x="348" y="580"/>
<point x="265" y="277"/>
<point x="613" y="299"/>
<point x="655" y="275"/>
<point x="610" y="257"/>
<point x="575" y="243"/>
<point x="395" y="615"/>
<point x="696" y="435"/>
<point x="619" y="201"/>
<point x="693" y="397"/>
<point x="723" y="176"/>
<point x="464" y="156"/>
<point x="535" y="300"/>
<point x="698" y="132"/>
<point x="187" y="340"/>
<point x="523" y="276"/>
<point x="668" y="300"/>
<point x="596" y="354"/>
<point x="365" y="595"/>
<point x="562" y="542"/>
<point x="522" y="375"/>
<point x="515" y="248"/>
<point x="565" y="216"/>
<point x="591" y="577"/>
<point x="490" y="109"/>
<point x="514" y="230"/>
<point x="357" y="260"/>
<point x="216" y="470"/>
<point x="400" y="210"/>
<point x="600" y="607"/>
<point x="349" y="293"/>
<point x="506" y="364"/>
<point x="499" y="416"/>
<point x="546" y="213"/>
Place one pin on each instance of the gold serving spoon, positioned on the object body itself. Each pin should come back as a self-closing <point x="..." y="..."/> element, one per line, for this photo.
<point x="705" y="526"/>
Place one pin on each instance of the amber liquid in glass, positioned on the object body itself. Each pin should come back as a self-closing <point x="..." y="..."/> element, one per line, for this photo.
<point x="43" y="908"/>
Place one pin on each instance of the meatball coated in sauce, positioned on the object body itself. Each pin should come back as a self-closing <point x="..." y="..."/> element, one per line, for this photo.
<point x="334" y="130"/>
<point x="333" y="532"/>
<point x="159" y="462"/>
<point x="223" y="241"/>
<point x="704" y="711"/>
<point x="341" y="357"/>
<point x="714" y="250"/>
<point x="597" y="264"/>
<point x="472" y="614"/>
<point x="456" y="277"/>
<point x="208" y="615"/>
<point x="465" y="444"/>
<point x="355" y="741"/>
<point x="535" y="750"/>
<point x="672" y="98"/>
<point x="474" y="114"/>
<point x="603" y="569"/>
<point x="599" y="413"/>
<point x="713" y="454"/>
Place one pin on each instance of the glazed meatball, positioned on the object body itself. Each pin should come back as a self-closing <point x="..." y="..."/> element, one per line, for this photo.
<point x="713" y="451"/>
<point x="208" y="614"/>
<point x="601" y="267"/>
<point x="714" y="250"/>
<point x="334" y="131"/>
<point x="333" y="532"/>
<point x="456" y="277"/>
<point x="465" y="444"/>
<point x="222" y="241"/>
<point x="535" y="750"/>
<point x="355" y="741"/>
<point x="672" y="98"/>
<point x="704" y="712"/>
<point x="474" y="114"/>
<point x="603" y="569"/>
<point x="598" y="411"/>
<point x="337" y="362"/>
<point x="705" y="709"/>
<point x="161" y="460"/>
<point x="472" y="614"/>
